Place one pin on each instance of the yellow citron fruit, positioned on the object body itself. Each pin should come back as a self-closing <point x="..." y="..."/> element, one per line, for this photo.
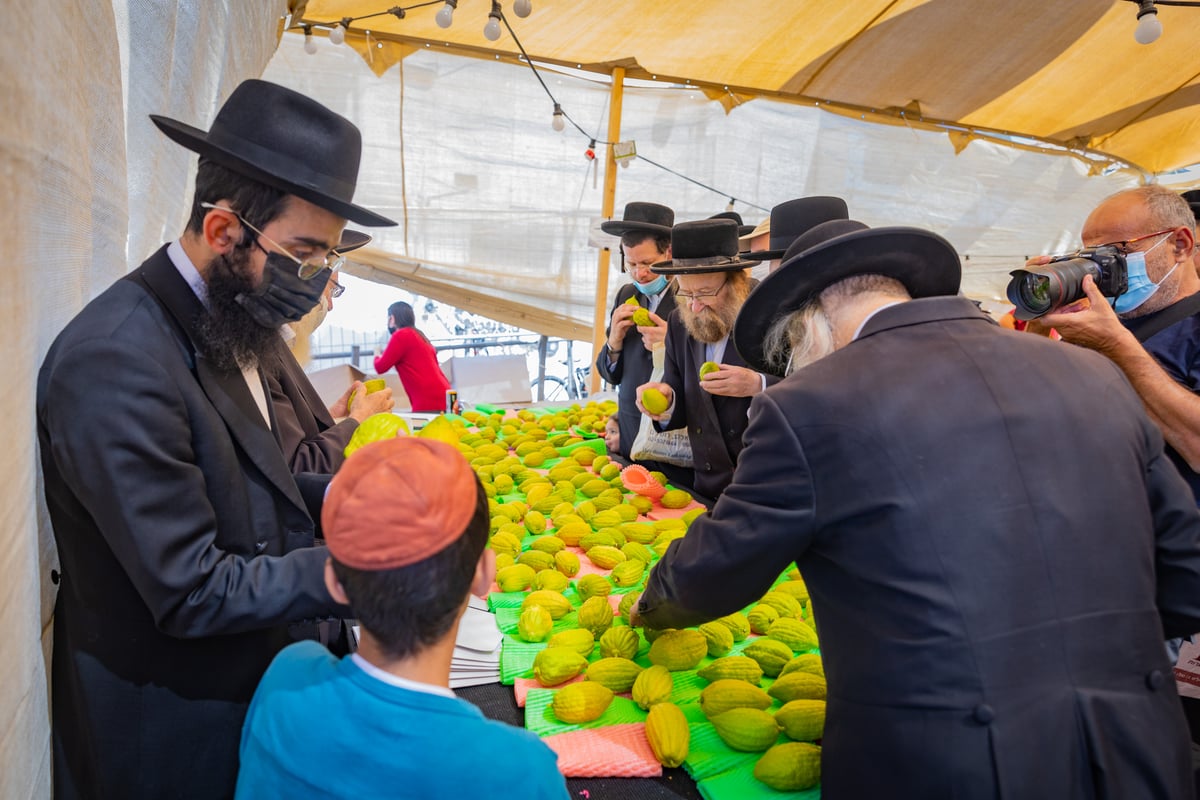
<point x="373" y="385"/>
<point x="377" y="427"/>
<point x="631" y="301"/>
<point x="439" y="428"/>
<point x="654" y="401"/>
<point x="707" y="367"/>
<point x="641" y="318"/>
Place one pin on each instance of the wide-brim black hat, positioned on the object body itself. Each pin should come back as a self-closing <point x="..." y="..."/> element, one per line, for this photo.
<point x="743" y="228"/>
<point x="791" y="219"/>
<point x="279" y="137"/>
<point x="352" y="240"/>
<point x="707" y="245"/>
<point x="1192" y="196"/>
<point x="924" y="262"/>
<point x="648" y="217"/>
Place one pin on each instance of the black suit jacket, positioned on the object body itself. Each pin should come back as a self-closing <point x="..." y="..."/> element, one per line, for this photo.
<point x="715" y="424"/>
<point x="633" y="364"/>
<point x="995" y="545"/>
<point x="310" y="439"/>
<point x="186" y="546"/>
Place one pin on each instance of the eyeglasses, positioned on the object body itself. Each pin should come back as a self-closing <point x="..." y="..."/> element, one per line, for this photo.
<point x="306" y="268"/>
<point x="1123" y="246"/>
<point x="702" y="294"/>
<point x="338" y="290"/>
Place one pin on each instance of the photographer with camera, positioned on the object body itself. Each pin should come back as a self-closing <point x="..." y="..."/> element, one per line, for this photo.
<point x="1133" y="295"/>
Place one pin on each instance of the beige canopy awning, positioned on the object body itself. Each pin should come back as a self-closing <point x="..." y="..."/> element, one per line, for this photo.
<point x="1067" y="73"/>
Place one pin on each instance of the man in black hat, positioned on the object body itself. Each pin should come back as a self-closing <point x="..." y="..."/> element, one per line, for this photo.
<point x="186" y="544"/>
<point x="991" y="535"/>
<point x="712" y="287"/>
<point x="625" y="360"/>
<point x="313" y="437"/>
<point x="788" y="220"/>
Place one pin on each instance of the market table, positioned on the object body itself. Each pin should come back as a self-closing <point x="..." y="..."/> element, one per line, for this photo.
<point x="497" y="702"/>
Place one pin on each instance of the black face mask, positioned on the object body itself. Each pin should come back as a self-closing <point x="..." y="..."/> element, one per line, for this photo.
<point x="392" y="329"/>
<point x="283" y="296"/>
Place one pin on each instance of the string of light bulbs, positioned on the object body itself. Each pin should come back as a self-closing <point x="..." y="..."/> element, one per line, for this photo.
<point x="1149" y="27"/>
<point x="491" y="31"/>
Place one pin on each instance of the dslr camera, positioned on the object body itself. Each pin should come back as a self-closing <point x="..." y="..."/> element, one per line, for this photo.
<point x="1039" y="290"/>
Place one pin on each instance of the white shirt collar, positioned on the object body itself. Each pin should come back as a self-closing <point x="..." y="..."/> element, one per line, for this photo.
<point x="187" y="269"/>
<point x="396" y="680"/>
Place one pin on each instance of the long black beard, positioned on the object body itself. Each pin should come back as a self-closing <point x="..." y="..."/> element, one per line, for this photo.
<point x="228" y="336"/>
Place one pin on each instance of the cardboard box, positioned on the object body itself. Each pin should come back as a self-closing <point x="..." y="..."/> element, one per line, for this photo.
<point x="489" y="379"/>
<point x="332" y="382"/>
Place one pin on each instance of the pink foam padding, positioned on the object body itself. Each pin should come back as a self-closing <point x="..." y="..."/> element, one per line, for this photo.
<point x="521" y="687"/>
<point x="658" y="512"/>
<point x="614" y="751"/>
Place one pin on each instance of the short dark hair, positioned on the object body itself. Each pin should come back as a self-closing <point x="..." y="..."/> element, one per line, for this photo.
<point x="409" y="608"/>
<point x="662" y="241"/>
<point x="257" y="202"/>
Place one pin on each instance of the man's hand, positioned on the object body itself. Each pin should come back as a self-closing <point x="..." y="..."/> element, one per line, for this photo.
<point x="1089" y="322"/>
<point x="667" y="392"/>
<point x="654" y="335"/>
<point x="364" y="404"/>
<point x="619" y="325"/>
<point x="732" y="381"/>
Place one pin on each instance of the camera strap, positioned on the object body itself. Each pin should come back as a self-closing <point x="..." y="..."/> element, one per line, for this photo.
<point x="1147" y="326"/>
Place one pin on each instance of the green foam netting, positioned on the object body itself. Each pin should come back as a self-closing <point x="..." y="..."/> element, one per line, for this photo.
<point x="540" y="719"/>
<point x="740" y="784"/>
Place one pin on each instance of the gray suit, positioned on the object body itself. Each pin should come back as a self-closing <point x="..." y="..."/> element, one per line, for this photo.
<point x="186" y="546"/>
<point x="995" y="545"/>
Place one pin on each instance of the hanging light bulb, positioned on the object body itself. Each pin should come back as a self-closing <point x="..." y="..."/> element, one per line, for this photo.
<point x="491" y="31"/>
<point x="522" y="8"/>
<point x="338" y="34"/>
<point x="445" y="16"/>
<point x="1148" y="26"/>
<point x="558" y="122"/>
<point x="310" y="44"/>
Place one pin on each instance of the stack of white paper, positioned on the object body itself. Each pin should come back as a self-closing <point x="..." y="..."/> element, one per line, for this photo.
<point x="476" y="657"/>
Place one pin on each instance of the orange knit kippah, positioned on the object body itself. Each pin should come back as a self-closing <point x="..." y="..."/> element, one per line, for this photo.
<point x="398" y="501"/>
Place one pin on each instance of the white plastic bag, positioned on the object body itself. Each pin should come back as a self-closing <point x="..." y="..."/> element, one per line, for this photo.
<point x="651" y="444"/>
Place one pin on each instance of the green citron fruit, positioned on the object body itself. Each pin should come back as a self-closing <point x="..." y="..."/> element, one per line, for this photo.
<point x="631" y="301"/>
<point x="654" y="401"/>
<point x="707" y="367"/>
<point x="641" y="317"/>
<point x="375" y="428"/>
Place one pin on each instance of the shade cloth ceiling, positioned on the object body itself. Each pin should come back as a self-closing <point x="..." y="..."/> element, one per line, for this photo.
<point x="1066" y="72"/>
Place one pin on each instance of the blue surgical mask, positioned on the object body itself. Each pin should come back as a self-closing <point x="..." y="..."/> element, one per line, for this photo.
<point x="653" y="287"/>
<point x="1141" y="288"/>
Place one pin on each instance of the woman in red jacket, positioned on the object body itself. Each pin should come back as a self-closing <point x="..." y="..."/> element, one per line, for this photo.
<point x="415" y="361"/>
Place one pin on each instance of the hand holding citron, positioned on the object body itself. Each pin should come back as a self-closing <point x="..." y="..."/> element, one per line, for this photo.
<point x="654" y="401"/>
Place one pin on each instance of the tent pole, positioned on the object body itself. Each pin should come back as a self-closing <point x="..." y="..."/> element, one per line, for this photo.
<point x="600" y="316"/>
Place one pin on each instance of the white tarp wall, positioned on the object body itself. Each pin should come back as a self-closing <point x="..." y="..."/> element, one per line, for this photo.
<point x="70" y="84"/>
<point x="492" y="200"/>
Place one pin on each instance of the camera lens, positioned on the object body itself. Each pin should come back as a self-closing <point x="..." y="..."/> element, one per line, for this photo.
<point x="1040" y="290"/>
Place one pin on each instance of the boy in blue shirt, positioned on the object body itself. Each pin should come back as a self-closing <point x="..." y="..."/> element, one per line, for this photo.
<point x="406" y="521"/>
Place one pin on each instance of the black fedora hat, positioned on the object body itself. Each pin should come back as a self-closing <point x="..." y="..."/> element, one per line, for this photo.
<point x="1192" y="196"/>
<point x="743" y="228"/>
<point x="352" y="240"/>
<point x="649" y="217"/>
<point x="924" y="262"/>
<point x="281" y="138"/>
<point x="790" y="219"/>
<point x="707" y="245"/>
